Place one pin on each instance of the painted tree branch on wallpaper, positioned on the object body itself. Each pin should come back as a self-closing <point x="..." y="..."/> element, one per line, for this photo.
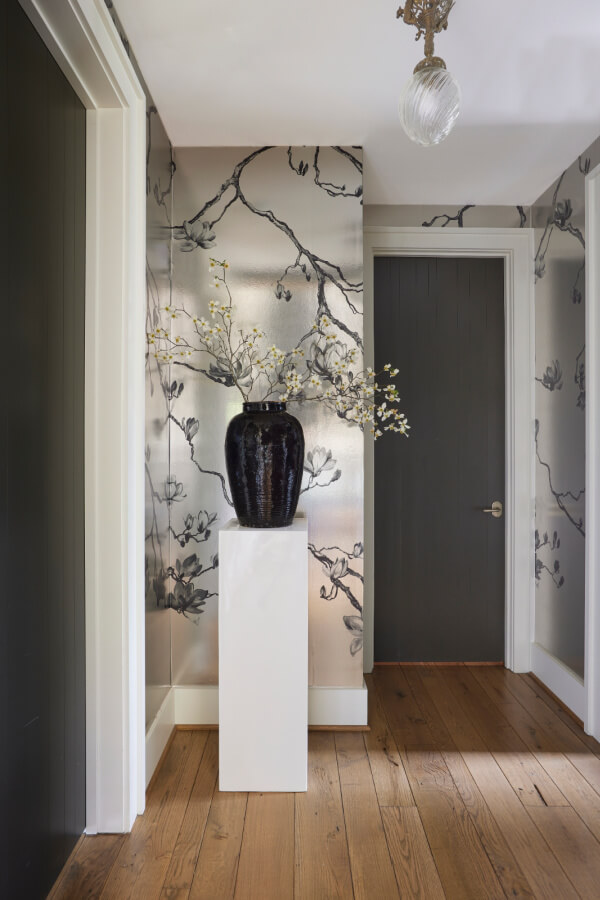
<point x="442" y="220"/>
<point x="199" y="230"/>
<point x="564" y="499"/>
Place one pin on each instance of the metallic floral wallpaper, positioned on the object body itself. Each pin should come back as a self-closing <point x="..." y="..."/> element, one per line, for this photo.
<point x="288" y="220"/>
<point x="159" y="197"/>
<point x="559" y="222"/>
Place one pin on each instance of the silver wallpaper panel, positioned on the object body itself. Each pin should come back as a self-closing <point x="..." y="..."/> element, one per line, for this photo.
<point x="559" y="222"/>
<point x="159" y="189"/>
<point x="289" y="222"/>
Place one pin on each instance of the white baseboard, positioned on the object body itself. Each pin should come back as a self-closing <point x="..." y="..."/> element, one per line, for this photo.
<point x="561" y="680"/>
<point x="159" y="733"/>
<point x="196" y="704"/>
<point x="337" y="705"/>
<point x="199" y="705"/>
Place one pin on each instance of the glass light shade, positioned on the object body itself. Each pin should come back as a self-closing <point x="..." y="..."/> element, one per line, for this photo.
<point x="429" y="105"/>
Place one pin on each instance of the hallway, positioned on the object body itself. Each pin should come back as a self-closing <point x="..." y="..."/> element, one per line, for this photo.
<point x="472" y="783"/>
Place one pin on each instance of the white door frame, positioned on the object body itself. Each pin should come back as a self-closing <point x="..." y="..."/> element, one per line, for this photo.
<point x="515" y="246"/>
<point x="592" y="453"/>
<point x="83" y="39"/>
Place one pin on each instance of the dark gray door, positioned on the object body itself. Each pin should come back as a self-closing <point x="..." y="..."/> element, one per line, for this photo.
<point x="42" y="633"/>
<point x="439" y="560"/>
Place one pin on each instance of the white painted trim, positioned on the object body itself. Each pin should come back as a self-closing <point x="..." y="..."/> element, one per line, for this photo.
<point x="196" y="704"/>
<point x="199" y="705"/>
<point x="158" y="734"/>
<point x="82" y="38"/>
<point x="515" y="246"/>
<point x="338" y="705"/>
<point x="592" y="454"/>
<point x="559" y="678"/>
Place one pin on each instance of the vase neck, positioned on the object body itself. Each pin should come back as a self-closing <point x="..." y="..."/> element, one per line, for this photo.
<point x="265" y="406"/>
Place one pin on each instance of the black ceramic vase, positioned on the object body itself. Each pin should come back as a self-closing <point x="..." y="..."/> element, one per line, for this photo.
<point x="264" y="453"/>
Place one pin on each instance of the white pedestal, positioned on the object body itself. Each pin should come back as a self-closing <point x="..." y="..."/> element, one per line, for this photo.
<point x="263" y="657"/>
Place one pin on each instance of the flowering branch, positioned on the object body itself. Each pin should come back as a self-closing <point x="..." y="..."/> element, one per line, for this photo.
<point x="336" y="570"/>
<point x="540" y="566"/>
<point x="328" y="374"/>
<point x="186" y="598"/>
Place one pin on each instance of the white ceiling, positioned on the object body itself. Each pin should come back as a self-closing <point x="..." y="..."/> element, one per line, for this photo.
<point x="243" y="73"/>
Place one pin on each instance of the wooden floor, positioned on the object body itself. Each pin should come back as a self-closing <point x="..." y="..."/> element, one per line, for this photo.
<point x="473" y="782"/>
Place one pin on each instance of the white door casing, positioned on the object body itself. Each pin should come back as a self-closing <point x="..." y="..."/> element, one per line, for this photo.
<point x="592" y="454"/>
<point x="83" y="40"/>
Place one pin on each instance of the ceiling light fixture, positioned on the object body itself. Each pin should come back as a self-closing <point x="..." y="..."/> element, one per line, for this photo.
<point x="430" y="100"/>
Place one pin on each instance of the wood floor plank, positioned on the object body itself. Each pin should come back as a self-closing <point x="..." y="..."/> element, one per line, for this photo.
<point x="413" y="863"/>
<point x="322" y="865"/>
<point x="566" y="739"/>
<point x="508" y="871"/>
<point x="372" y="872"/>
<point x="574" y="846"/>
<point x="532" y="853"/>
<point x="180" y="874"/>
<point x="563" y="714"/>
<point x="217" y="865"/>
<point x="437" y="800"/>
<point x="144" y="857"/>
<point x="89" y="868"/>
<point x="266" y="867"/>
<point x="462" y="863"/>
<point x="407" y="723"/>
<point x="528" y="778"/>
<point x="569" y="779"/>
<point x="441" y="735"/>
<point x="387" y="768"/>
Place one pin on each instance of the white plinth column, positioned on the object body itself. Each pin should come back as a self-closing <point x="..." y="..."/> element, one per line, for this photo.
<point x="263" y="657"/>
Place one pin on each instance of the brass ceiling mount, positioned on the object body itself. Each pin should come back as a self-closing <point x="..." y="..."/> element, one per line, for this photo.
<point x="430" y="17"/>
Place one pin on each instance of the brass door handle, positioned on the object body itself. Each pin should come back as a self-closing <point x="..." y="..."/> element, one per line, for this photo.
<point x="495" y="509"/>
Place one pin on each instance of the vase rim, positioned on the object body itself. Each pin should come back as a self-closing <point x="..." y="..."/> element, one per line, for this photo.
<point x="265" y="406"/>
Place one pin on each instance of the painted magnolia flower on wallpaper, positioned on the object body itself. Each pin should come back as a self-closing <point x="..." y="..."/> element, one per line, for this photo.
<point x="239" y="358"/>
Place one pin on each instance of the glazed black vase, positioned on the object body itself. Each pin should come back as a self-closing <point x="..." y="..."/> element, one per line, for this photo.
<point x="264" y="453"/>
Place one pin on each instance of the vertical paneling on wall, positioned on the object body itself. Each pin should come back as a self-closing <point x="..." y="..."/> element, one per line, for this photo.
<point x="42" y="714"/>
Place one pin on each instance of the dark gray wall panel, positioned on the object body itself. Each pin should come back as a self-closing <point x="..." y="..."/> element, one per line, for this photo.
<point x="42" y="717"/>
